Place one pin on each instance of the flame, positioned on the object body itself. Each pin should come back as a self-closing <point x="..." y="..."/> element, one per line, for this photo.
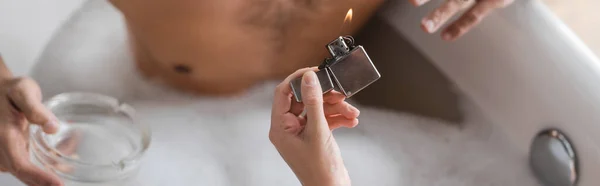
<point x="348" y="18"/>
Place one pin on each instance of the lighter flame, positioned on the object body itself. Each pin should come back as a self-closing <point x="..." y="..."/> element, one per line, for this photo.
<point x="348" y="18"/>
<point x="347" y="21"/>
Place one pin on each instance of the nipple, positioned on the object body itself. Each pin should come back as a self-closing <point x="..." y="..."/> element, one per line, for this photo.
<point x="182" y="69"/>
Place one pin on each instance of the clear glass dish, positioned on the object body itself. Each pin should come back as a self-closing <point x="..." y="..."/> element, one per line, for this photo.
<point x="99" y="140"/>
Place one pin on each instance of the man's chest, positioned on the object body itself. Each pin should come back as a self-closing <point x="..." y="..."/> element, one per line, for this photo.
<point x="226" y="46"/>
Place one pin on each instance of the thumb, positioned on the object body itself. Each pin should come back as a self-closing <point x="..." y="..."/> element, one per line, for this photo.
<point x="25" y="94"/>
<point x="312" y="97"/>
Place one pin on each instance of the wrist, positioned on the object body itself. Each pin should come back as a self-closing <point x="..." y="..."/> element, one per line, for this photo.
<point x="335" y="177"/>
<point x="345" y="181"/>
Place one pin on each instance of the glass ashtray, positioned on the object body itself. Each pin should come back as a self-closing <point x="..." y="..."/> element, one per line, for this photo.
<point x="98" y="139"/>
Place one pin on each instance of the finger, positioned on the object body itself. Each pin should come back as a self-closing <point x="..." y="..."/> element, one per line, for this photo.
<point x="27" y="97"/>
<point x="470" y="19"/>
<point x="343" y="108"/>
<point x="68" y="145"/>
<point x="64" y="168"/>
<point x="293" y="125"/>
<point x="432" y="22"/>
<point x="285" y="127"/>
<point x="418" y="2"/>
<point x="333" y="97"/>
<point x="297" y="108"/>
<point x="26" y="171"/>
<point x="282" y="99"/>
<point x="312" y="97"/>
<point x="30" y="183"/>
<point x="29" y="173"/>
<point x="340" y="121"/>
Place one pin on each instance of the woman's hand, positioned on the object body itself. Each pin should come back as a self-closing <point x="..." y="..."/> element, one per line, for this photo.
<point x="20" y="104"/>
<point x="466" y="22"/>
<point x="306" y="142"/>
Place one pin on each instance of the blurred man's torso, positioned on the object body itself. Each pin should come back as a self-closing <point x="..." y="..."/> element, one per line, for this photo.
<point x="225" y="46"/>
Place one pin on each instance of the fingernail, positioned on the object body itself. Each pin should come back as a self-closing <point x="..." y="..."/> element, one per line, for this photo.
<point x="353" y="109"/>
<point x="429" y="25"/>
<point x="52" y="124"/>
<point x="355" y="123"/>
<point x="447" y="36"/>
<point x="419" y="2"/>
<point x="310" y="78"/>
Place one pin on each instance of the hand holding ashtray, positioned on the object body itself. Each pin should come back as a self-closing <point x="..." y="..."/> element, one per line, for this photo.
<point x="99" y="140"/>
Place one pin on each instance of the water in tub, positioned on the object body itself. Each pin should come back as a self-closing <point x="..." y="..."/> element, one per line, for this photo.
<point x="223" y="141"/>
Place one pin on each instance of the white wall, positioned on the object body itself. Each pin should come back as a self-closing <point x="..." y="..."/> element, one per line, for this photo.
<point x="27" y="25"/>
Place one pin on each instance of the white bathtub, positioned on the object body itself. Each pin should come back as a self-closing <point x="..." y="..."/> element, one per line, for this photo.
<point x="521" y="69"/>
<point x="527" y="71"/>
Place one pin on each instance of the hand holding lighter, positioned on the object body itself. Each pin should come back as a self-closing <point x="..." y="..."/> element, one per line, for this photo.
<point x="348" y="70"/>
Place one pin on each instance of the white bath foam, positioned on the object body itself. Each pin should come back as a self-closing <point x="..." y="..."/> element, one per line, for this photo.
<point x="223" y="141"/>
<point x="229" y="146"/>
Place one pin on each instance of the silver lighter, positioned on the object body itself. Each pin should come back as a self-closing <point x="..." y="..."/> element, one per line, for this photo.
<point x="348" y="70"/>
